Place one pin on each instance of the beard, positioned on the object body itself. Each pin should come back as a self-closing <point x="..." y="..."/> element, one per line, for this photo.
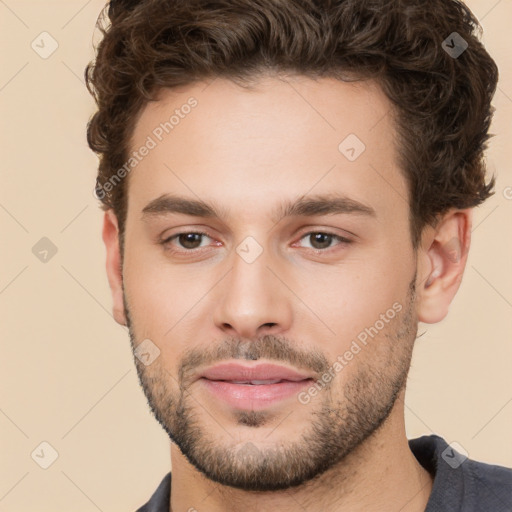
<point x="342" y="417"/>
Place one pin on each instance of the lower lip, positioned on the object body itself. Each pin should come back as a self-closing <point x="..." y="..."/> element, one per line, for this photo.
<point x="254" y="396"/>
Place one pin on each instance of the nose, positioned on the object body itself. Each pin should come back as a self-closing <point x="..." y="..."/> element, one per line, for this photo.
<point x="253" y="299"/>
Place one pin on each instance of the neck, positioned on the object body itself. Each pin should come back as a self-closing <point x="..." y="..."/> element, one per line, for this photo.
<point x="380" y="475"/>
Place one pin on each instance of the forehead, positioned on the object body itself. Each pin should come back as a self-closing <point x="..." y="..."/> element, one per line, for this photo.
<point x="281" y="138"/>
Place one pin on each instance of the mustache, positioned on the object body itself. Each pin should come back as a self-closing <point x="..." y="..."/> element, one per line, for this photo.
<point x="268" y="347"/>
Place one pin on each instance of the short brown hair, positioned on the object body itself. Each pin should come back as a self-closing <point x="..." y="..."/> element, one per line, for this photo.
<point x="441" y="101"/>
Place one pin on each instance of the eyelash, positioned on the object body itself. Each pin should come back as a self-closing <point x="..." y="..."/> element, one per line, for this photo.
<point x="167" y="241"/>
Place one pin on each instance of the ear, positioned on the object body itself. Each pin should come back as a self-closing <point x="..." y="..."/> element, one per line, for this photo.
<point x="441" y="262"/>
<point x="114" y="270"/>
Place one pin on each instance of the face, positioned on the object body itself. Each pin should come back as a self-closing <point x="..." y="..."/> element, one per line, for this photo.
<point x="304" y="260"/>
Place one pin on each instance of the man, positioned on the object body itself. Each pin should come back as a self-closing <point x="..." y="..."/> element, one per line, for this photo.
<point x="288" y="189"/>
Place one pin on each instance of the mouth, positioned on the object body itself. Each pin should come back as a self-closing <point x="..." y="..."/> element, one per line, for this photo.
<point x="261" y="374"/>
<point x="256" y="382"/>
<point x="253" y="387"/>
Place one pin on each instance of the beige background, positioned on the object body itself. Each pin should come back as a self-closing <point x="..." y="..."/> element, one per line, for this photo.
<point x="67" y="372"/>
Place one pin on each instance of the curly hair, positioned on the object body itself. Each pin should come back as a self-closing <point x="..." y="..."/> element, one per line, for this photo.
<point x="441" y="102"/>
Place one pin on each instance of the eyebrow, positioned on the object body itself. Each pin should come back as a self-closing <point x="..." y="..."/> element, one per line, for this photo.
<point x="305" y="206"/>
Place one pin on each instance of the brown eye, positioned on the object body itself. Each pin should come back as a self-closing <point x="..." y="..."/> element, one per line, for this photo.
<point x="321" y="241"/>
<point x="187" y="241"/>
<point x="190" y="240"/>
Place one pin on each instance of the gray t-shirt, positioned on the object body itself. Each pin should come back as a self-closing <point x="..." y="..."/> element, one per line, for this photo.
<point x="460" y="484"/>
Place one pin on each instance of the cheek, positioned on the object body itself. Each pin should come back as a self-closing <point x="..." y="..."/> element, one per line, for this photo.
<point x="164" y="300"/>
<point x="385" y="276"/>
<point x="363" y="297"/>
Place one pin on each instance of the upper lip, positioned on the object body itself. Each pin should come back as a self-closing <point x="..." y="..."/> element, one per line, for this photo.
<point x="265" y="371"/>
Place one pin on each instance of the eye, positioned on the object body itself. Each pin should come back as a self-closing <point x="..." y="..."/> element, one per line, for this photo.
<point x="321" y="240"/>
<point x="188" y="240"/>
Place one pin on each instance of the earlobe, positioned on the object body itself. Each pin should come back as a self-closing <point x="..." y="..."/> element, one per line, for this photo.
<point x="113" y="265"/>
<point x="444" y="257"/>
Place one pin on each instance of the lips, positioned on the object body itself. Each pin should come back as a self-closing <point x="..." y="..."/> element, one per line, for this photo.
<point x="253" y="388"/>
<point x="262" y="374"/>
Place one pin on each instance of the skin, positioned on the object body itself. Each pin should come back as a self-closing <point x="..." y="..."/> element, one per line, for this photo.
<point x="248" y="150"/>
